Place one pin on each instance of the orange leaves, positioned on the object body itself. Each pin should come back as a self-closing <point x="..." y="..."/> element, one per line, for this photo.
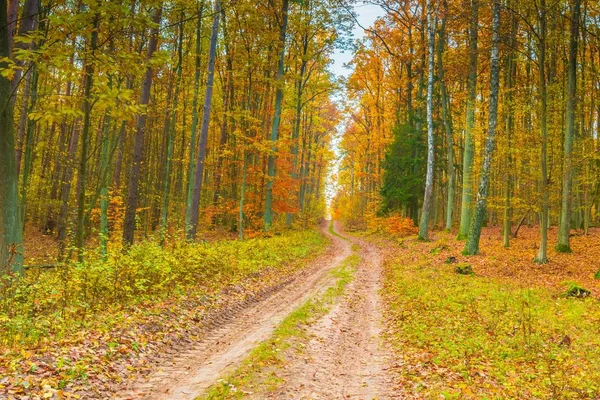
<point x="395" y="225"/>
<point x="400" y="226"/>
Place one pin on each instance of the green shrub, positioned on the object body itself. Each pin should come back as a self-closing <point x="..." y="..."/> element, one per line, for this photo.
<point x="54" y="302"/>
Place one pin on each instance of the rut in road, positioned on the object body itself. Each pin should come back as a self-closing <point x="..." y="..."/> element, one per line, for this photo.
<point x="345" y="358"/>
<point x="189" y="374"/>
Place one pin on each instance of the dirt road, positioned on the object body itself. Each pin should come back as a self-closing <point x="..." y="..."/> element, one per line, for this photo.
<point x="343" y="360"/>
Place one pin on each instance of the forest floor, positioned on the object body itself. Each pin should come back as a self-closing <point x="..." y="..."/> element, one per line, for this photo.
<point x="371" y="317"/>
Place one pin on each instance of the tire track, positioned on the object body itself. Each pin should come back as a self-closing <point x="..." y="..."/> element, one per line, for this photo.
<point x="189" y="373"/>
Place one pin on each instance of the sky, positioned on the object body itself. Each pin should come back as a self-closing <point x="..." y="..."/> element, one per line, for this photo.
<point x="366" y="15"/>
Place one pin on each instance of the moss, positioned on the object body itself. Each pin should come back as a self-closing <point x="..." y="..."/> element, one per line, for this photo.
<point x="597" y="274"/>
<point x="464" y="269"/>
<point x="438" y="249"/>
<point x="574" y="290"/>
<point x="563" y="248"/>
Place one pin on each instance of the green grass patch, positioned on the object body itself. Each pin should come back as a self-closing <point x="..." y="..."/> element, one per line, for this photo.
<point x="334" y="233"/>
<point x="48" y="305"/>
<point x="478" y="338"/>
<point x="258" y="370"/>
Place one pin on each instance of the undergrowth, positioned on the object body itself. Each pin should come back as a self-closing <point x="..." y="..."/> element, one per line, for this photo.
<point x="478" y="338"/>
<point x="51" y="303"/>
<point x="259" y="369"/>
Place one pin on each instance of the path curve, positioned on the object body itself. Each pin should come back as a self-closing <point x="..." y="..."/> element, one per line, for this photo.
<point x="190" y="373"/>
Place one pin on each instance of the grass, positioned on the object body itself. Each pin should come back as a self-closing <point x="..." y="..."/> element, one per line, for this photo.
<point x="470" y="337"/>
<point x="50" y="304"/>
<point x="84" y="321"/>
<point x="258" y="371"/>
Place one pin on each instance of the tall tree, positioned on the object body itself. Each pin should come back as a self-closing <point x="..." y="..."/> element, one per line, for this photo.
<point x="194" y="127"/>
<point x="542" y="257"/>
<point x="564" y="226"/>
<point x="85" y="135"/>
<point x="139" y="138"/>
<point x="210" y="78"/>
<point x="469" y="151"/>
<point x="428" y="199"/>
<point x="268" y="214"/>
<point x="472" y="244"/>
<point x="11" y="251"/>
<point x="171" y="135"/>
<point x="446" y="117"/>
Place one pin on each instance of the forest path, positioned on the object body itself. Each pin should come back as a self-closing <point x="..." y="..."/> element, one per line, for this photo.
<point x="189" y="374"/>
<point x="345" y="357"/>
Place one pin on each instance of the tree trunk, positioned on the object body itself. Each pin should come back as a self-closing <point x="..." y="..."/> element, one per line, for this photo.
<point x="472" y="244"/>
<point x="138" y="141"/>
<point x="542" y="257"/>
<point x="447" y="118"/>
<point x="227" y="100"/>
<point x="268" y="215"/>
<point x="171" y="138"/>
<point x="11" y="251"/>
<point x="511" y="71"/>
<point x="469" y="151"/>
<point x="564" y="226"/>
<point x="85" y="139"/>
<point x="199" y="174"/>
<point x="194" y="128"/>
<point x="428" y="199"/>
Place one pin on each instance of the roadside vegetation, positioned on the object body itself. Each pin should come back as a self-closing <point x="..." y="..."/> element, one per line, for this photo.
<point x="74" y="323"/>
<point x="461" y="336"/>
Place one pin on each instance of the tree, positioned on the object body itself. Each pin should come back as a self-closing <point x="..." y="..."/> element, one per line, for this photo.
<point x="194" y="128"/>
<point x="140" y="133"/>
<point x="469" y="152"/>
<point x="564" y="226"/>
<point x="541" y="257"/>
<point x="11" y="252"/>
<point x="199" y="174"/>
<point x="472" y="244"/>
<point x="268" y="214"/>
<point x="428" y="199"/>
<point x="447" y="118"/>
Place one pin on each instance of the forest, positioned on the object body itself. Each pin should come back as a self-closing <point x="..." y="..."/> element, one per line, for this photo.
<point x="191" y="192"/>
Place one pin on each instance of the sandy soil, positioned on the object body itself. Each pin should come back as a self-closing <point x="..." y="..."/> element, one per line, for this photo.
<point x="188" y="374"/>
<point x="345" y="358"/>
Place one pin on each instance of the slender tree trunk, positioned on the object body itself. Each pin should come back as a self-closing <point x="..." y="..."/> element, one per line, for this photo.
<point x="297" y="121"/>
<point x="85" y="139"/>
<point x="29" y="142"/>
<point x="427" y="202"/>
<point x="104" y="198"/>
<point x="194" y="128"/>
<point x="472" y="244"/>
<point x="199" y="173"/>
<point x="268" y="215"/>
<point x="542" y="257"/>
<point x="138" y="141"/>
<point x="171" y="138"/>
<point x="511" y="72"/>
<point x="564" y="226"/>
<point x="447" y="118"/>
<point x="469" y="151"/>
<point x="11" y="251"/>
<point x="227" y="100"/>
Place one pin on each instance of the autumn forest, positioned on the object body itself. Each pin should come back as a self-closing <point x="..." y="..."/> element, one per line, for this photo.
<point x="191" y="192"/>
